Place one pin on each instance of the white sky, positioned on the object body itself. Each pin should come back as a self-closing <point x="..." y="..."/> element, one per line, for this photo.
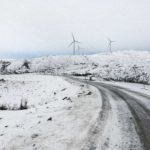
<point x="45" y="26"/>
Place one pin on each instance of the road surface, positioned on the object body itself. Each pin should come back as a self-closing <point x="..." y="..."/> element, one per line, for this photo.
<point x="123" y="122"/>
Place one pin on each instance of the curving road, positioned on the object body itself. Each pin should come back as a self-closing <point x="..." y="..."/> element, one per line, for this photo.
<point x="129" y="114"/>
<point x="139" y="110"/>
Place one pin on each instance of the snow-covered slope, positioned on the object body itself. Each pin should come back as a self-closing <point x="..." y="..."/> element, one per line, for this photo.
<point x="131" y="66"/>
<point x="58" y="117"/>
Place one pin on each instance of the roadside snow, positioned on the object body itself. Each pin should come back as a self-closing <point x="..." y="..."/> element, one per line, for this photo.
<point x="145" y="89"/>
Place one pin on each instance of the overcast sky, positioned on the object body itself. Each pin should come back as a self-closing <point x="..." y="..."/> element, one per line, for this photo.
<point x="40" y="27"/>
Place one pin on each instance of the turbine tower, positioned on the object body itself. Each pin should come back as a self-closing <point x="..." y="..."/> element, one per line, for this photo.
<point x="74" y="42"/>
<point x="110" y="44"/>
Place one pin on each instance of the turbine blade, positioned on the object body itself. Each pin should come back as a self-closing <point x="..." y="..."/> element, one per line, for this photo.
<point x="70" y="44"/>
<point x="73" y="37"/>
<point x="77" y="41"/>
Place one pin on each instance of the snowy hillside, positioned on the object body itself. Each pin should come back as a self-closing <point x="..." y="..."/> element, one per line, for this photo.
<point x="131" y="66"/>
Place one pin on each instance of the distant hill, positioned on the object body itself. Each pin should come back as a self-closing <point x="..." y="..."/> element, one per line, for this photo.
<point x="131" y="66"/>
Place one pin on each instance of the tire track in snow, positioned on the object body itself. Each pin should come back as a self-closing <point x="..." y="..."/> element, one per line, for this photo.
<point x="139" y="112"/>
<point x="97" y="128"/>
<point x="127" y="90"/>
<point x="126" y="126"/>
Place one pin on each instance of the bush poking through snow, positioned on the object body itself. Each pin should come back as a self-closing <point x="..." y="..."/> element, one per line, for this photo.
<point x="2" y="80"/>
<point x="34" y="136"/>
<point x="4" y="65"/>
<point x="49" y="119"/>
<point x="23" y="105"/>
<point x="89" y="93"/>
<point x="26" y="64"/>
<point x="3" y="107"/>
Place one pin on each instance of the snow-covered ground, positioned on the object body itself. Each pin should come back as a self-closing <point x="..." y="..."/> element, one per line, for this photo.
<point x="37" y="90"/>
<point x="62" y="114"/>
<point x="59" y="112"/>
<point x="42" y="112"/>
<point x="131" y="66"/>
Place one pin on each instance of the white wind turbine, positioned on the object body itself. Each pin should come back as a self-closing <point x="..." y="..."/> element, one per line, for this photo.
<point x="110" y="44"/>
<point x="74" y="42"/>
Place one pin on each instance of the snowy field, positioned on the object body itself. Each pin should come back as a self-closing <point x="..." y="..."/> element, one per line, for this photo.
<point x="58" y="114"/>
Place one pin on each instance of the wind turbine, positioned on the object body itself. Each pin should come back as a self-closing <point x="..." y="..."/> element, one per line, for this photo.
<point x="74" y="42"/>
<point x="110" y="44"/>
